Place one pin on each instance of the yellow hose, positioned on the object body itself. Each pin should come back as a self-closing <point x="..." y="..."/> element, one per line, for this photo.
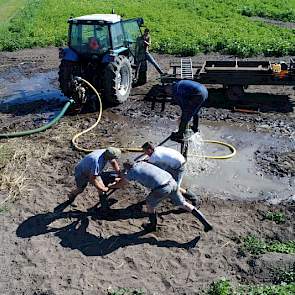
<point x="139" y="150"/>
<point x="229" y="146"/>
<point x="74" y="139"/>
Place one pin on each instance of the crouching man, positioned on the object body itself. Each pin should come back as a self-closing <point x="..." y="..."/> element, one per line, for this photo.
<point x="162" y="186"/>
<point x="90" y="168"/>
<point x="173" y="162"/>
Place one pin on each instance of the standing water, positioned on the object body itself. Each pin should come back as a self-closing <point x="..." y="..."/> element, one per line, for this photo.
<point x="196" y="162"/>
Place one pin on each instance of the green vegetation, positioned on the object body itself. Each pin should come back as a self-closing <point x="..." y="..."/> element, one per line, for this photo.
<point x="273" y="11"/>
<point x="224" y="287"/>
<point x="3" y="210"/>
<point x="256" y="246"/>
<point x="286" y="277"/>
<point x="126" y="291"/>
<point x="277" y="217"/>
<point x="267" y="290"/>
<point x="183" y="27"/>
<point x="221" y="287"/>
<point x="9" y="7"/>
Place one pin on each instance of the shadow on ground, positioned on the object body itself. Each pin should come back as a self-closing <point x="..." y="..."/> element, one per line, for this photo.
<point x="258" y="101"/>
<point x="75" y="235"/>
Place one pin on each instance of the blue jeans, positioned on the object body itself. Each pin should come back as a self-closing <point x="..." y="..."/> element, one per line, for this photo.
<point x="192" y="109"/>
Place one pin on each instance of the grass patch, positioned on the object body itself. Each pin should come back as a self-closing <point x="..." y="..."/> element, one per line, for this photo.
<point x="224" y="287"/>
<point x="277" y="217"/>
<point x="18" y="172"/>
<point x="288" y="289"/>
<point x="126" y="291"/>
<point x="183" y="27"/>
<point x="9" y="7"/>
<point x="256" y="246"/>
<point x="273" y="11"/>
<point x="3" y="210"/>
<point x="221" y="287"/>
<point x="285" y="277"/>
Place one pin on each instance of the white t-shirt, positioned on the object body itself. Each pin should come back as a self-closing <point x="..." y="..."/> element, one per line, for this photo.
<point x="166" y="158"/>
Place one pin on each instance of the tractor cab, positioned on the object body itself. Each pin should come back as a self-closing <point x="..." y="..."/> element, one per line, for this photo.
<point x="93" y="36"/>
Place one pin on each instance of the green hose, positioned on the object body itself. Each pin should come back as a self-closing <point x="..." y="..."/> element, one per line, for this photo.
<point x="40" y="129"/>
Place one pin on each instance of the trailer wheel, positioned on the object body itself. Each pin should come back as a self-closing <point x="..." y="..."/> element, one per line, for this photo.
<point x="235" y="92"/>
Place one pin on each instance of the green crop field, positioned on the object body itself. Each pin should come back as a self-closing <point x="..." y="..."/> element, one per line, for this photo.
<point x="9" y="7"/>
<point x="183" y="27"/>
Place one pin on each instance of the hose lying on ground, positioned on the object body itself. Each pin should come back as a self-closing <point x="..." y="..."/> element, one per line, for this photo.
<point x="124" y="149"/>
<point x="42" y="128"/>
<point x="75" y="138"/>
<point x="229" y="146"/>
<point x="138" y="150"/>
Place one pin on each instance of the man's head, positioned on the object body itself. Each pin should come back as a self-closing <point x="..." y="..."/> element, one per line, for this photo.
<point x="112" y="153"/>
<point x="168" y="89"/>
<point x="146" y="31"/>
<point x="148" y="148"/>
<point x="128" y="165"/>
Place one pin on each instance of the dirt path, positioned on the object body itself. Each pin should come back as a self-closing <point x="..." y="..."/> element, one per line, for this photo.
<point x="51" y="247"/>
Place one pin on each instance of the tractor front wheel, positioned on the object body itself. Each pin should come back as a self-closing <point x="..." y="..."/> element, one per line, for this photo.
<point x="117" y="80"/>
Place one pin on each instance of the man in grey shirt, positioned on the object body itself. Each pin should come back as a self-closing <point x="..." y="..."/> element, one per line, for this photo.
<point x="162" y="186"/>
<point x="90" y="168"/>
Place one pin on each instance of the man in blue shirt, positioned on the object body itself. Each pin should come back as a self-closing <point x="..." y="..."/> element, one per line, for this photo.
<point x="190" y="96"/>
<point x="90" y="168"/>
<point x="162" y="186"/>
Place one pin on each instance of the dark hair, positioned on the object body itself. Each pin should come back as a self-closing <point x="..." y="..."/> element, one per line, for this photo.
<point x="146" y="30"/>
<point x="147" y="145"/>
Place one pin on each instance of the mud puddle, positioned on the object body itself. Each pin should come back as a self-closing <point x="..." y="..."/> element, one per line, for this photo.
<point x="22" y="95"/>
<point x="240" y="177"/>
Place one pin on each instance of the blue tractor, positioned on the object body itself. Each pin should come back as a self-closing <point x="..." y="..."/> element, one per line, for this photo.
<point x="108" y="52"/>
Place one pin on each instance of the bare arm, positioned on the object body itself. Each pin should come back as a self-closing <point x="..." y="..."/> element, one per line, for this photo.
<point x="120" y="182"/>
<point x="98" y="183"/>
<point x="115" y="166"/>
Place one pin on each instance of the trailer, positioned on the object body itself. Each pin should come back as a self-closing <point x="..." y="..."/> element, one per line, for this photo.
<point x="234" y="76"/>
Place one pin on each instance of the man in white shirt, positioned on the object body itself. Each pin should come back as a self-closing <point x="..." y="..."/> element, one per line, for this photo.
<point x="173" y="162"/>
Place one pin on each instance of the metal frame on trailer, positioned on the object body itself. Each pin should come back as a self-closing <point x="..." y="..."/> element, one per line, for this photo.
<point x="235" y="75"/>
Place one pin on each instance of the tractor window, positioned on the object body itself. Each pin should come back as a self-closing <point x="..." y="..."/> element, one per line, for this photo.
<point x="90" y="38"/>
<point x="132" y="31"/>
<point x="117" y="35"/>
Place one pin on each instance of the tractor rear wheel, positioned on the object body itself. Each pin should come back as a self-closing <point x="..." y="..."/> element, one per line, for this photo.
<point x="117" y="80"/>
<point x="67" y="71"/>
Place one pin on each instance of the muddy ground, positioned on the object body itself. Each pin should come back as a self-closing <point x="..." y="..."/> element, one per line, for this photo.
<point x="52" y="247"/>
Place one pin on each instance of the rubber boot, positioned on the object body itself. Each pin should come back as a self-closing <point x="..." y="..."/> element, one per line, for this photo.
<point x="152" y="225"/>
<point x="195" y="126"/>
<point x="178" y="136"/>
<point x="103" y="199"/>
<point x="189" y="195"/>
<point x="202" y="219"/>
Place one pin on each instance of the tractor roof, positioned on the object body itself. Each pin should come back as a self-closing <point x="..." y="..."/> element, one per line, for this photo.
<point x="110" y="18"/>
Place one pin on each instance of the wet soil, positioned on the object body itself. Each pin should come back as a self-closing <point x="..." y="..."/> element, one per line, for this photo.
<point x="52" y="247"/>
